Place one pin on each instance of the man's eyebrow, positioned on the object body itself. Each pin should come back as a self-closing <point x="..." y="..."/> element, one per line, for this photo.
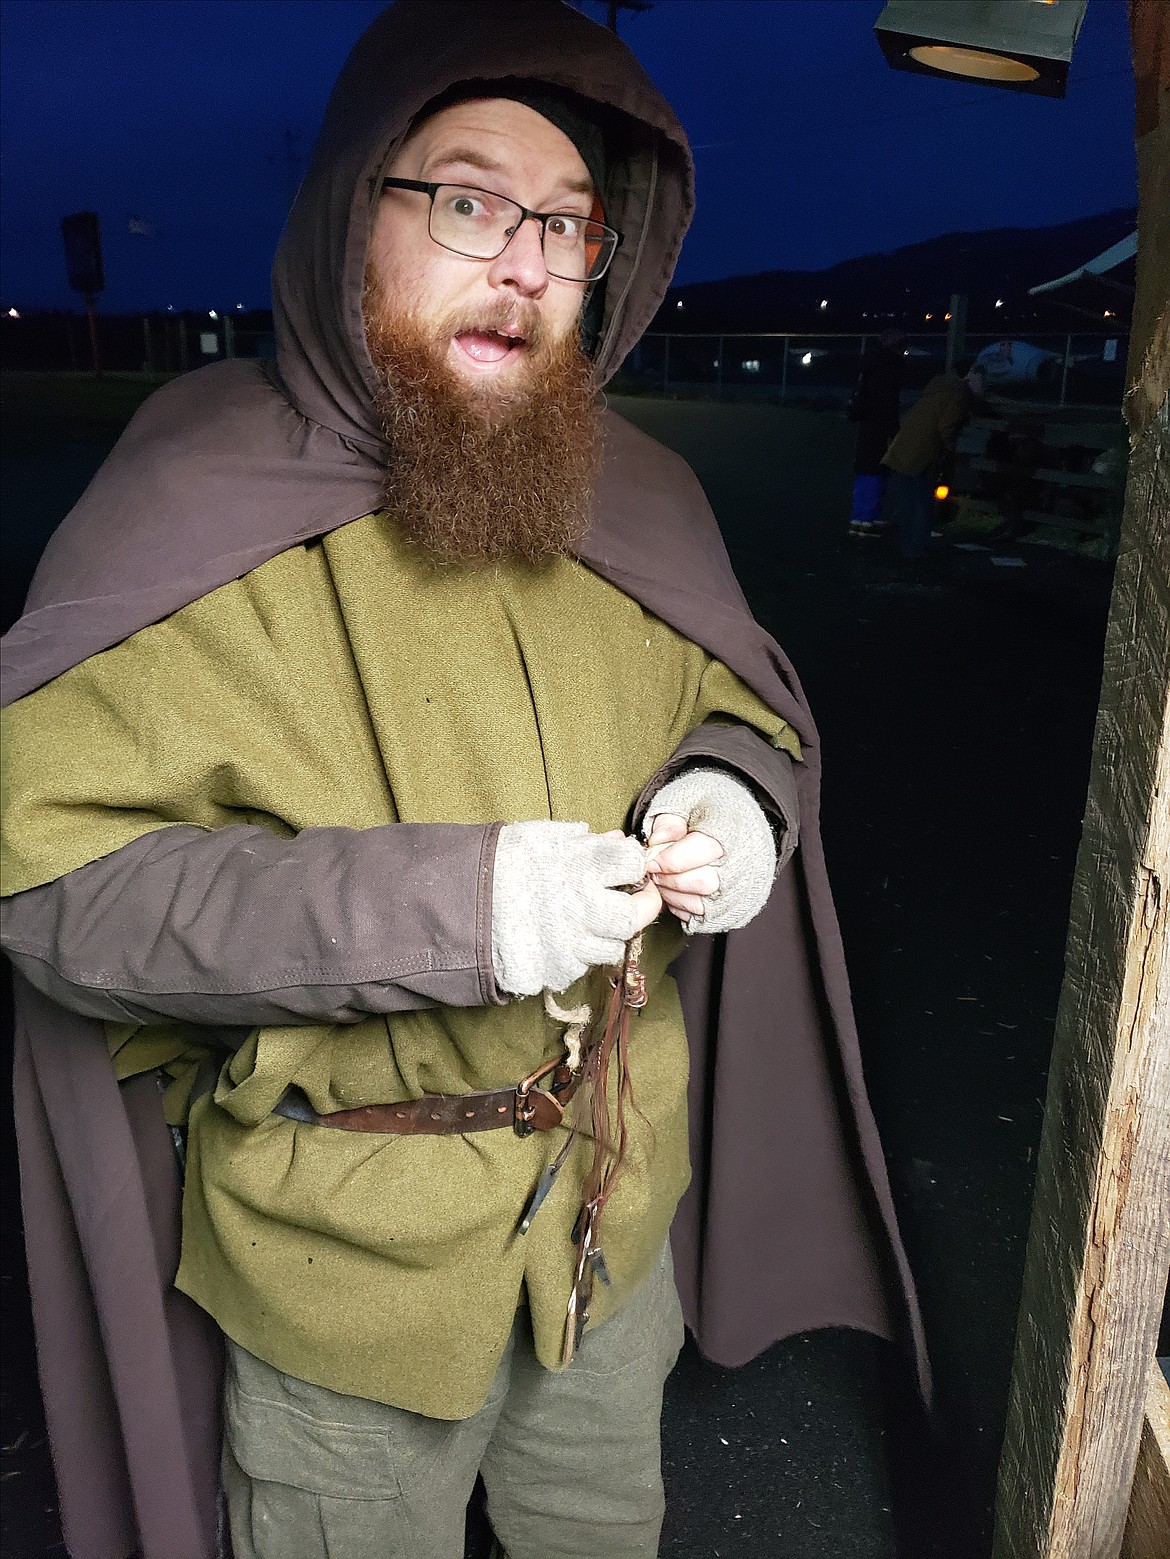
<point x="470" y="158"/>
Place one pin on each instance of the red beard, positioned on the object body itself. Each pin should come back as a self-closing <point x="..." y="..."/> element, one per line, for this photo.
<point x="480" y="474"/>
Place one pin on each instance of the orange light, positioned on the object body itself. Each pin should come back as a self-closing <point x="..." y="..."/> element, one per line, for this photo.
<point x="942" y="491"/>
<point x="973" y="62"/>
<point x="930" y="316"/>
<point x="946" y="316"/>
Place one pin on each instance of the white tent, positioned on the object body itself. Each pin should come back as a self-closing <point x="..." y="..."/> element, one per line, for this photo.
<point x="1117" y="255"/>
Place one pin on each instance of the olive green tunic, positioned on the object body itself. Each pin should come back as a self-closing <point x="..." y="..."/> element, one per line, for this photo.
<point x="351" y="683"/>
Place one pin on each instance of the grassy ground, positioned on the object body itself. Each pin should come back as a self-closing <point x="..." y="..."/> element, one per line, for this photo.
<point x="956" y="713"/>
<point x="40" y="411"/>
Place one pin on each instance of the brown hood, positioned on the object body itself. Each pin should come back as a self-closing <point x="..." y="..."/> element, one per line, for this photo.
<point x="223" y="468"/>
<point x="414" y="51"/>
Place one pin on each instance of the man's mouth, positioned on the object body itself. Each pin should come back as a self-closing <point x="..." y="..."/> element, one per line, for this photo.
<point x="489" y="347"/>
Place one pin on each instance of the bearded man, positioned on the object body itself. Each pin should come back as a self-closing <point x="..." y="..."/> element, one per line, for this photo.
<point x="397" y="777"/>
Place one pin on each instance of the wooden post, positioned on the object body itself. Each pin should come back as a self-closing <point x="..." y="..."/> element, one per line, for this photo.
<point x="1064" y="370"/>
<point x="1147" y="1531"/>
<point x="1099" y="1245"/>
<point x="956" y="329"/>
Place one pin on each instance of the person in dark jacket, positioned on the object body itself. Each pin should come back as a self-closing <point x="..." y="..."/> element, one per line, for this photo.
<point x="875" y="409"/>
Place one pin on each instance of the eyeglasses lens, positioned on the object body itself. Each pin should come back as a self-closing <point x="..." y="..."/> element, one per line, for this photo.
<point x="478" y="224"/>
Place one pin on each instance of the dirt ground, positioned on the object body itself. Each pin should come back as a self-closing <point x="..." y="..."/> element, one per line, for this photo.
<point x="956" y="712"/>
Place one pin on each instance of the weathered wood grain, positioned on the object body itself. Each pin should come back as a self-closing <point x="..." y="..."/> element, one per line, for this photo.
<point x="1099" y="1243"/>
<point x="1147" y="1531"/>
<point x="1100" y="1235"/>
<point x="1147" y="371"/>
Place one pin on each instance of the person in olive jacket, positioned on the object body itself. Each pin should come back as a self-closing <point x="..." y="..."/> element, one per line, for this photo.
<point x="927" y="436"/>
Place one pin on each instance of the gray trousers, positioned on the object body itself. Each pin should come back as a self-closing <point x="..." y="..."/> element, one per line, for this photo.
<point x="571" y="1461"/>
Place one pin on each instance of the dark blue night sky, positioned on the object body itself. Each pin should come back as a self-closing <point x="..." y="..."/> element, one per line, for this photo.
<point x="809" y="148"/>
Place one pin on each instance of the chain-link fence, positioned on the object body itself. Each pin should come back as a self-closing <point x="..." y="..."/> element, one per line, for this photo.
<point x="1077" y="369"/>
<point x="1081" y="369"/>
<point x="162" y="343"/>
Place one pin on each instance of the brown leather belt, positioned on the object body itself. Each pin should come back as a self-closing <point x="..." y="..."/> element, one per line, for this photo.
<point x="524" y="1107"/>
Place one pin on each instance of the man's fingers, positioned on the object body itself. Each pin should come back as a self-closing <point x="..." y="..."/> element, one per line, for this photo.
<point x="647" y="904"/>
<point x="684" y="905"/>
<point x="666" y="828"/>
<point x="704" y="880"/>
<point x="695" y="850"/>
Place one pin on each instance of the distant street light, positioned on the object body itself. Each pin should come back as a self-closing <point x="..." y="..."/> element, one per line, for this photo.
<point x="1023" y="45"/>
<point x="12" y="314"/>
<point x="824" y="303"/>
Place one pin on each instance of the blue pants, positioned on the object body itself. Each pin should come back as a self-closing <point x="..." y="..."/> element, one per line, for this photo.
<point x="910" y="501"/>
<point x="867" y="498"/>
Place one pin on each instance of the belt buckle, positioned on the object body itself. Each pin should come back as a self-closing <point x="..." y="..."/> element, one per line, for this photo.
<point x="533" y="1102"/>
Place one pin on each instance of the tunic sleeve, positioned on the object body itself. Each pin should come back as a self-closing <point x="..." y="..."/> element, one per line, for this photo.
<point x="197" y="826"/>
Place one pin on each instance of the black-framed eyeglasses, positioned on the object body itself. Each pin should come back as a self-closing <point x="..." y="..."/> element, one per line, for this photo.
<point x="479" y="224"/>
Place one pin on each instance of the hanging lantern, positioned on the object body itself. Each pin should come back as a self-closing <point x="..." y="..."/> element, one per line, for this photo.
<point x="1024" y="45"/>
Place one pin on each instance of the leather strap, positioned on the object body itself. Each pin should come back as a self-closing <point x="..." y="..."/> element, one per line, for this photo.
<point x="524" y="1107"/>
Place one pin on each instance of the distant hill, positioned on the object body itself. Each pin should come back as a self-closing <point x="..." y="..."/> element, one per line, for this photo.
<point x="904" y="286"/>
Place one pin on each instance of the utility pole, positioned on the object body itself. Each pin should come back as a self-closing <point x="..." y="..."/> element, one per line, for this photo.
<point x="81" y="233"/>
<point x="614" y="8"/>
<point x="289" y="161"/>
<point x="290" y="165"/>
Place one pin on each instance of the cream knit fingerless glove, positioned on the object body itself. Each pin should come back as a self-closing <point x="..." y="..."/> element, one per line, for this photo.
<point x="556" y="908"/>
<point x="713" y="802"/>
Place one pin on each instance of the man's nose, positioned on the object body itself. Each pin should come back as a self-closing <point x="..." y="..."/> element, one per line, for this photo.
<point x="522" y="263"/>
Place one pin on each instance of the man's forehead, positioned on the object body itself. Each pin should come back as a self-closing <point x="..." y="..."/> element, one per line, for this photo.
<point x="493" y="134"/>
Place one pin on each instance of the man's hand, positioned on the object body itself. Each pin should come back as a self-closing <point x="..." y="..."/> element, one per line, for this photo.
<point x="565" y="901"/>
<point x="682" y="865"/>
<point x="711" y="852"/>
<point x="647" y="900"/>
